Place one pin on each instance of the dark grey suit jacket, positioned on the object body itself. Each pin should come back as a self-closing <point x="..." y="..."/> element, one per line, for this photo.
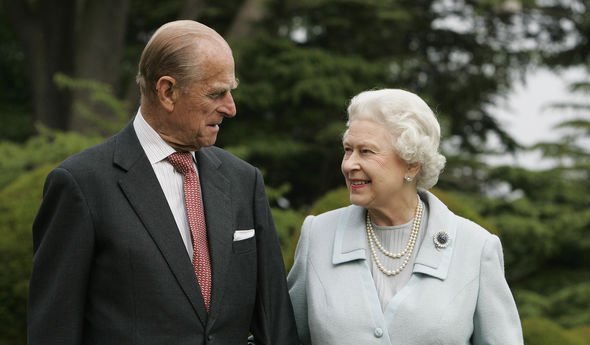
<point x="110" y="268"/>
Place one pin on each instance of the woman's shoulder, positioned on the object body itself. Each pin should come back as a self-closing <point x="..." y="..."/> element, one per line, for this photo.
<point x="325" y="224"/>
<point x="465" y="228"/>
<point x="335" y="215"/>
<point x="473" y="240"/>
<point x="469" y="228"/>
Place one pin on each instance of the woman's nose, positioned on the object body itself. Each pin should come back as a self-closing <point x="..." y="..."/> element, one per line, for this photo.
<point x="349" y="162"/>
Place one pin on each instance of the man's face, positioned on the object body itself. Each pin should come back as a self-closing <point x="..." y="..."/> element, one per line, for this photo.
<point x="201" y="106"/>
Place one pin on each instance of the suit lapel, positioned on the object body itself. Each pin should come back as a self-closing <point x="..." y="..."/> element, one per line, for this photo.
<point x="142" y="189"/>
<point x="215" y="188"/>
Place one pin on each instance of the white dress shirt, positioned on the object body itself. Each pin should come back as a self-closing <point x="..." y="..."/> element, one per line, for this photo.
<point x="171" y="181"/>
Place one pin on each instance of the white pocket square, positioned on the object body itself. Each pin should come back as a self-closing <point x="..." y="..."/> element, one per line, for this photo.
<point x="240" y="235"/>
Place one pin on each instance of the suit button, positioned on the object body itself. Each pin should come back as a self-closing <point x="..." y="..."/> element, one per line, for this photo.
<point x="210" y="339"/>
<point x="378" y="332"/>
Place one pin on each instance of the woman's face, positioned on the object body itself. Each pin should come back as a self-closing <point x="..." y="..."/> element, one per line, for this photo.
<point x="373" y="171"/>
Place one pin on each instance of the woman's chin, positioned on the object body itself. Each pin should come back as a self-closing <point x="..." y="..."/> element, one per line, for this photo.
<point x="356" y="200"/>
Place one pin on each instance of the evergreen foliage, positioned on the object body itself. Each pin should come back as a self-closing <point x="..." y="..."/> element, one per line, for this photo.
<point x="543" y="331"/>
<point x="22" y="173"/>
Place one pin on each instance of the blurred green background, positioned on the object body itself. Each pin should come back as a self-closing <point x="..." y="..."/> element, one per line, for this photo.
<point x="67" y="69"/>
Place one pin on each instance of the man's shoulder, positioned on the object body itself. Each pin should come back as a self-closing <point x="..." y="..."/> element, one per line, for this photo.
<point x="125" y="142"/>
<point x="91" y="155"/>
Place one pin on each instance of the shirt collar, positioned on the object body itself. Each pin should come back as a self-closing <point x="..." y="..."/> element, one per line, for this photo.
<point x="156" y="149"/>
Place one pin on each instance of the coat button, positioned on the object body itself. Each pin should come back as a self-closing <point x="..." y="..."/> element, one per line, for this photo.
<point x="378" y="332"/>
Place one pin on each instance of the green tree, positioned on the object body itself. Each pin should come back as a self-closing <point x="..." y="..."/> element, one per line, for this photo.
<point x="545" y="222"/>
<point x="309" y="58"/>
<point x="22" y="173"/>
<point x="92" y="40"/>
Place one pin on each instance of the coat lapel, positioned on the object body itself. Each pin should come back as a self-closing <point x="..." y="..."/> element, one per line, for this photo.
<point x="142" y="189"/>
<point x="350" y="239"/>
<point x="350" y="244"/>
<point x="431" y="260"/>
<point x="218" y="214"/>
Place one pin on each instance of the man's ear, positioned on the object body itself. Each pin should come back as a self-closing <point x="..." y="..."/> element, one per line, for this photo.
<point x="167" y="90"/>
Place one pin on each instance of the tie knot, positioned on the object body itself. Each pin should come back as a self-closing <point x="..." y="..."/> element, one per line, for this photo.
<point x="182" y="162"/>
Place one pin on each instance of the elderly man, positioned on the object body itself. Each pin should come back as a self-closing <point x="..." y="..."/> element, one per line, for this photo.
<point x="156" y="236"/>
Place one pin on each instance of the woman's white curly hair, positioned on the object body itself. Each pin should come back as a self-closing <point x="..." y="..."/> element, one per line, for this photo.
<point x="412" y="124"/>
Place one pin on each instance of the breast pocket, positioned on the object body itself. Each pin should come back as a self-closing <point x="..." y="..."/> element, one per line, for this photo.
<point x="244" y="246"/>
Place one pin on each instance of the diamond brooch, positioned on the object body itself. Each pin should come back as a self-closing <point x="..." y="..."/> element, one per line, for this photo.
<point x="441" y="239"/>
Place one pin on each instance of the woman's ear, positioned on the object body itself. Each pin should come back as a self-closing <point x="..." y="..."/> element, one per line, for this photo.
<point x="167" y="90"/>
<point x="413" y="170"/>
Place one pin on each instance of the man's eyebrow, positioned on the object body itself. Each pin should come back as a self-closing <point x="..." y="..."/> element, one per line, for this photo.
<point x="224" y="86"/>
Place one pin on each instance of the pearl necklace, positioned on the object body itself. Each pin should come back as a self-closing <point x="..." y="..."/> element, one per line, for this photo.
<point x="407" y="252"/>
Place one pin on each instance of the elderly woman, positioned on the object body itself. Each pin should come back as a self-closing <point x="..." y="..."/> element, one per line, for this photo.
<point x="397" y="267"/>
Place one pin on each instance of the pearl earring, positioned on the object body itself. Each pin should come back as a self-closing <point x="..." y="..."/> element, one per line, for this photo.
<point x="408" y="178"/>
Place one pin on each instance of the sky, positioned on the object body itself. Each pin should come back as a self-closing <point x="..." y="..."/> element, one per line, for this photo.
<point x="524" y="117"/>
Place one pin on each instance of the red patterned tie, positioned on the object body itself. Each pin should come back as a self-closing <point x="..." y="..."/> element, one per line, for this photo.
<point x="183" y="163"/>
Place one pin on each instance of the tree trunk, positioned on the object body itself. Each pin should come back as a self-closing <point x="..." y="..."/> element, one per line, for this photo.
<point x="100" y="42"/>
<point x="83" y="39"/>
<point x="45" y="31"/>
<point x="251" y="12"/>
<point x="191" y="9"/>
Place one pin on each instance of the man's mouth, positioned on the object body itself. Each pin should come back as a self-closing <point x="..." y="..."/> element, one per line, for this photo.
<point x="216" y="123"/>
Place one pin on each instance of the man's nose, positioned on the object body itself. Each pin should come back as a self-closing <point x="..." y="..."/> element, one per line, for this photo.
<point x="229" y="107"/>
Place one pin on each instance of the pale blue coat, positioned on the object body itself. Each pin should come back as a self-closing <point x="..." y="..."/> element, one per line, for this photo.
<point x="456" y="296"/>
